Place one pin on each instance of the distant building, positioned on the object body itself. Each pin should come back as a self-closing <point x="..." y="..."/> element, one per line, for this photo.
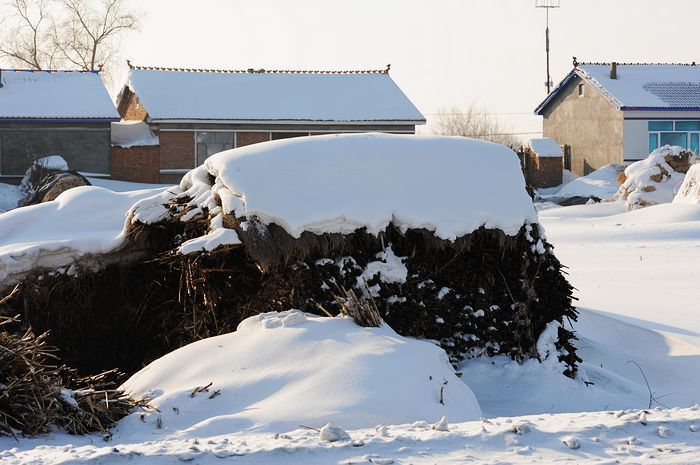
<point x="196" y="113"/>
<point x="613" y="112"/>
<point x="66" y="113"/>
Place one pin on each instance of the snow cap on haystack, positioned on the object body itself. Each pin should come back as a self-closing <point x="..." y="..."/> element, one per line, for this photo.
<point x="450" y="186"/>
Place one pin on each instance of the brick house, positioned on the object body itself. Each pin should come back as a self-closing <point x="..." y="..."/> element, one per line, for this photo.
<point x="66" y="113"/>
<point x="615" y="112"/>
<point x="196" y="113"/>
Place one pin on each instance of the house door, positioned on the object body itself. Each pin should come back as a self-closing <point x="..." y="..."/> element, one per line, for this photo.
<point x="567" y="157"/>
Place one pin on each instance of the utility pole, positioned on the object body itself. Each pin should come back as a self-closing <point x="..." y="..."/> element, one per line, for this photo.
<point x="547" y="5"/>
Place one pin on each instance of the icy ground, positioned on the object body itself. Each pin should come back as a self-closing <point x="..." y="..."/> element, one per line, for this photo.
<point x="637" y="283"/>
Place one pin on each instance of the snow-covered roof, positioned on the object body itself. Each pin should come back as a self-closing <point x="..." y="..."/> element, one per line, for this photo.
<point x="54" y="95"/>
<point x="545" y="147"/>
<point x="639" y="86"/>
<point x="132" y="134"/>
<point x="272" y="95"/>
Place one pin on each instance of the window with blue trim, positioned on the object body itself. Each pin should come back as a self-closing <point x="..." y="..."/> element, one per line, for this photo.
<point x="683" y="133"/>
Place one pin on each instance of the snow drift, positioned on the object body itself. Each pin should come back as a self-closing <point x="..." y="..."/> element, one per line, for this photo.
<point x="689" y="192"/>
<point x="280" y="370"/>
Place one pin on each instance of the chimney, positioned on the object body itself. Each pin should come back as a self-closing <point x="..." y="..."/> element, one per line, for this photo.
<point x="613" y="70"/>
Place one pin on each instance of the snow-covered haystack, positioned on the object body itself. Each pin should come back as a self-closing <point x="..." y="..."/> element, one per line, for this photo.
<point x="47" y="178"/>
<point x="689" y="192"/>
<point x="281" y="370"/>
<point x="438" y="231"/>
<point x="655" y="179"/>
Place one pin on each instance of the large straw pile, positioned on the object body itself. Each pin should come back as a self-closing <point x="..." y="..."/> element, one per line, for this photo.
<point x="36" y="393"/>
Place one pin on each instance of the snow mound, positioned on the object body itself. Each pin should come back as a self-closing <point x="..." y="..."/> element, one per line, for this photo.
<point x="341" y="183"/>
<point x="601" y="183"/>
<point x="689" y="192"/>
<point x="81" y="221"/>
<point x="655" y="179"/>
<point x="280" y="370"/>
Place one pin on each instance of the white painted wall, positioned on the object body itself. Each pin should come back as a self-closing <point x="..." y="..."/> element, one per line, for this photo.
<point x="635" y="139"/>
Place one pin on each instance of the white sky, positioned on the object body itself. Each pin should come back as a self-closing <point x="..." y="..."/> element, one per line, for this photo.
<point x="442" y="52"/>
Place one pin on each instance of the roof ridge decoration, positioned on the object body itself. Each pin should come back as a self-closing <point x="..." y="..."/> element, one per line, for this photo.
<point x="257" y="71"/>
<point x="619" y="63"/>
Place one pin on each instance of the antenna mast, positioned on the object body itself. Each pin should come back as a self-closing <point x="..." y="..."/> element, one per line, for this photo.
<point x="547" y="5"/>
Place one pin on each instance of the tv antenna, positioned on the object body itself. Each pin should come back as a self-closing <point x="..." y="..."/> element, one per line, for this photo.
<point x="547" y="5"/>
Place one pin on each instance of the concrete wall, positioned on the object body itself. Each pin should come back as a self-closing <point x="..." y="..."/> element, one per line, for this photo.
<point x="590" y="124"/>
<point x="84" y="147"/>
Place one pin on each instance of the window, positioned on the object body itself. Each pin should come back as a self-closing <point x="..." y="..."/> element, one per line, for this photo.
<point x="288" y="135"/>
<point x="581" y="90"/>
<point x="682" y="133"/>
<point x="209" y="143"/>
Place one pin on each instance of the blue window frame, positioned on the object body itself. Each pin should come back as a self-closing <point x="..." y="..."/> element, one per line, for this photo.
<point x="687" y="125"/>
<point x="684" y="133"/>
<point x="653" y="141"/>
<point x="661" y="125"/>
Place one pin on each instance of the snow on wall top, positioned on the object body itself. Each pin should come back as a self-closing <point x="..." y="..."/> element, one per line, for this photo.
<point x="640" y="86"/>
<point x="132" y="134"/>
<point x="282" y="96"/>
<point x="339" y="183"/>
<point x="28" y="94"/>
<point x="545" y="147"/>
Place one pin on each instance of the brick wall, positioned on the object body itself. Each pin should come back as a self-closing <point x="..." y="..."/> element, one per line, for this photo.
<point x="135" y="164"/>
<point x="244" y="138"/>
<point x="176" y="149"/>
<point x="543" y="172"/>
<point x="132" y="109"/>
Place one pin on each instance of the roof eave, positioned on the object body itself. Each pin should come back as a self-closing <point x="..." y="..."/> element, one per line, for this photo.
<point x="157" y="120"/>
<point x="540" y="108"/>
<point x="32" y="119"/>
<point x="633" y="108"/>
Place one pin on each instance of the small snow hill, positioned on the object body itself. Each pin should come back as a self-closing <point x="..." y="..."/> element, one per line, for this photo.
<point x="280" y="370"/>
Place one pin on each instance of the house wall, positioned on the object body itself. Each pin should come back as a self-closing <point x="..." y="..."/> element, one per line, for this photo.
<point x="85" y="147"/>
<point x="136" y="164"/>
<point x="589" y="124"/>
<point x="636" y="129"/>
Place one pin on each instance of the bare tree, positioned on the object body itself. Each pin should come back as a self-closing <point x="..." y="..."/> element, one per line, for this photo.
<point x="80" y="34"/>
<point x="473" y="122"/>
<point x="87" y="38"/>
<point x="28" y="41"/>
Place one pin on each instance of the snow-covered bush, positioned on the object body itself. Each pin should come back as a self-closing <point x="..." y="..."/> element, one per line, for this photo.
<point x="655" y="179"/>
